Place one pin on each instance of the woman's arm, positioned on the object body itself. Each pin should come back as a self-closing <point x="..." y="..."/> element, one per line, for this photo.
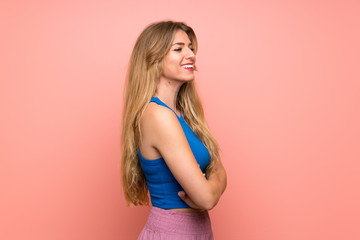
<point x="219" y="176"/>
<point x="161" y="127"/>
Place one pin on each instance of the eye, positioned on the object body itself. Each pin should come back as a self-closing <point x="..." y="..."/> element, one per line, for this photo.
<point x="192" y="49"/>
<point x="177" y="49"/>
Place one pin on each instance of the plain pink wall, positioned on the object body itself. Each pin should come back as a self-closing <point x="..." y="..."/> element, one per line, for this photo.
<point x="280" y="83"/>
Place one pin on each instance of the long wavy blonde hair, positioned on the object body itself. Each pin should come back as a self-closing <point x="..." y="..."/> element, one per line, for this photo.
<point x="145" y="68"/>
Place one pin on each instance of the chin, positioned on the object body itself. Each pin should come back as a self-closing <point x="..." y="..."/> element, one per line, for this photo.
<point x="187" y="80"/>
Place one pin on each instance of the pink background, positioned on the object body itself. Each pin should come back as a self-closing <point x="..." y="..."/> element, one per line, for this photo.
<point x="280" y="83"/>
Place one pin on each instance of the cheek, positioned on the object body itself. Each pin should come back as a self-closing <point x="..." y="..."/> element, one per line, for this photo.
<point x="171" y="66"/>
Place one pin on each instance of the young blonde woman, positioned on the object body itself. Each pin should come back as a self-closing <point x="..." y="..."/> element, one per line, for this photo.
<point x="167" y="148"/>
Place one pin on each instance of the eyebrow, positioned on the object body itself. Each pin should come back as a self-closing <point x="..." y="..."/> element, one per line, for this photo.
<point x="181" y="43"/>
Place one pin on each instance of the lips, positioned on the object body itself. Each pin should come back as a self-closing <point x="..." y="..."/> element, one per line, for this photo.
<point x="188" y="66"/>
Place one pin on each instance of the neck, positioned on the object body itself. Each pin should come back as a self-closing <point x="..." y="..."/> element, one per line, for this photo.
<point x="167" y="90"/>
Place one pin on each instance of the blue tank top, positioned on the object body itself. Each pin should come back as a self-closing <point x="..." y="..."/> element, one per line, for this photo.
<point x="162" y="185"/>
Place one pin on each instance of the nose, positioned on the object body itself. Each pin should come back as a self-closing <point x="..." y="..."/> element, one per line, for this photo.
<point x="190" y="55"/>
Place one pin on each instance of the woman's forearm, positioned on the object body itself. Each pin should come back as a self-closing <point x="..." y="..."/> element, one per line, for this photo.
<point x="218" y="180"/>
<point x="215" y="186"/>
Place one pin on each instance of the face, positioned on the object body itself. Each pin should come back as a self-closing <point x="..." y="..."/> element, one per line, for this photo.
<point x="179" y="62"/>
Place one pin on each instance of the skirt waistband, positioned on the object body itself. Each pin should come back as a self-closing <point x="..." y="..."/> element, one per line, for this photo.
<point x="178" y="222"/>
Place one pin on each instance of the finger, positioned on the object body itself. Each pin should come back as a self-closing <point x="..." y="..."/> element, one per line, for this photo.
<point x="187" y="200"/>
<point x="181" y="195"/>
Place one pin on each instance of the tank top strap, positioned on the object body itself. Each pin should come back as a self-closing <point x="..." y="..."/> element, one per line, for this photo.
<point x="158" y="101"/>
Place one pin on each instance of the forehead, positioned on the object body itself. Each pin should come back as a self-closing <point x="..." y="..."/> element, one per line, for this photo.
<point x="181" y="37"/>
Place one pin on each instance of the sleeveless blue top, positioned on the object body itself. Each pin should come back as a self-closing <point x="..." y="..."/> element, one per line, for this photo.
<point x="162" y="185"/>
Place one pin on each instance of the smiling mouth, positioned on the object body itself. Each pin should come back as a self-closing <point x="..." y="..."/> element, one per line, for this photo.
<point x="189" y="67"/>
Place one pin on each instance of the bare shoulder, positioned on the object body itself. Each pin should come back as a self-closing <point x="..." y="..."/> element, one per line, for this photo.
<point x="158" y="119"/>
<point x="157" y="114"/>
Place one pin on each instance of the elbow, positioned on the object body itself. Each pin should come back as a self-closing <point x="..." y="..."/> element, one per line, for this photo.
<point x="210" y="199"/>
<point x="209" y="206"/>
<point x="209" y="203"/>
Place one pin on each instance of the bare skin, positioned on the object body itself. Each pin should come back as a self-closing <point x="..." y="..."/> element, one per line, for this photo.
<point x="162" y="134"/>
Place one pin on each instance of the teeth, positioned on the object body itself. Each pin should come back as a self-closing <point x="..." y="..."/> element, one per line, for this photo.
<point x="188" y="66"/>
